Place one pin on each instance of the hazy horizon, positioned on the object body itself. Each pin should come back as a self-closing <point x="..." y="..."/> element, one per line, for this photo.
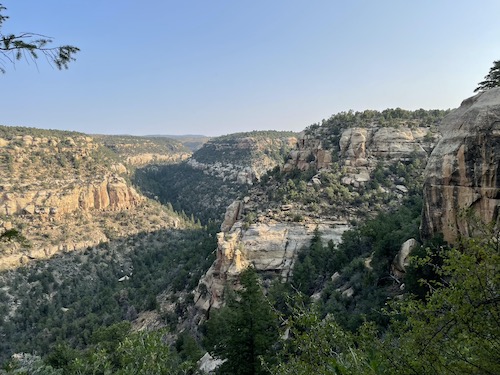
<point x="180" y="68"/>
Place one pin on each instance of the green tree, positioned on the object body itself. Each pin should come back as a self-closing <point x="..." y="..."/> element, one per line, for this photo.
<point x="245" y="330"/>
<point x="492" y="79"/>
<point x="137" y="353"/>
<point x="322" y="346"/>
<point x="456" y="330"/>
<point x="14" y="47"/>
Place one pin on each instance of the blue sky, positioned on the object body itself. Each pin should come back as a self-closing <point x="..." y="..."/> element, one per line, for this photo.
<point x="215" y="67"/>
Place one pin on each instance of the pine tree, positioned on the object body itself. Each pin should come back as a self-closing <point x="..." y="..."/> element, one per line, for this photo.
<point x="245" y="330"/>
<point x="31" y="46"/>
<point x="492" y="79"/>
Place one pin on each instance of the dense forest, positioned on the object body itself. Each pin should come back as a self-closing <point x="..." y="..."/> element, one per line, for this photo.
<point x="446" y="323"/>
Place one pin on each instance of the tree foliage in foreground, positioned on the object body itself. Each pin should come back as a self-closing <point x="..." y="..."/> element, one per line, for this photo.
<point x="245" y="331"/>
<point x="492" y="79"/>
<point x="454" y="330"/>
<point x="14" y="47"/>
<point x="140" y="353"/>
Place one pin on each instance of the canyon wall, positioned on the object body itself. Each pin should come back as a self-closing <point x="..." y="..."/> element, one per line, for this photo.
<point x="268" y="229"/>
<point x="270" y="246"/>
<point x="66" y="191"/>
<point x="241" y="158"/>
<point x="462" y="179"/>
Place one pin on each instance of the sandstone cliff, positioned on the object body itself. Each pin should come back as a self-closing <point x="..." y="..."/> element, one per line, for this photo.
<point x="362" y="148"/>
<point x="66" y="191"/>
<point x="462" y="180"/>
<point x="244" y="157"/>
<point x="141" y="151"/>
<point x="339" y="172"/>
<point x="269" y="246"/>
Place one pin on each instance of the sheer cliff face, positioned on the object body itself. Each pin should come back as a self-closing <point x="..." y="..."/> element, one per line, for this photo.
<point x="270" y="247"/>
<point x="363" y="147"/>
<point x="462" y="180"/>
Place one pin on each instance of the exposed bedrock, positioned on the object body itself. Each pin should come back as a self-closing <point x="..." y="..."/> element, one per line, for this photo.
<point x="462" y="182"/>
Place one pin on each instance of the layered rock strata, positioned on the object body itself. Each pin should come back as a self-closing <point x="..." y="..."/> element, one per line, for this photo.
<point x="270" y="247"/>
<point x="64" y="191"/>
<point x="462" y="177"/>
<point x="362" y="147"/>
<point x="241" y="160"/>
<point x="108" y="193"/>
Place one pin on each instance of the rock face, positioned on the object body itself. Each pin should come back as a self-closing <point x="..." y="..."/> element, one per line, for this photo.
<point x="309" y="152"/>
<point x="111" y="193"/>
<point x="140" y="151"/>
<point x="232" y="214"/>
<point x="361" y="147"/>
<point x="357" y="144"/>
<point x="242" y="158"/>
<point x="270" y="247"/>
<point x="151" y="158"/>
<point x="401" y="260"/>
<point x="240" y="174"/>
<point x="462" y="174"/>
<point x="66" y="191"/>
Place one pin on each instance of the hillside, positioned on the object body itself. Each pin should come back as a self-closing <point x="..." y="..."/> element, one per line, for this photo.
<point x="216" y="174"/>
<point x="326" y="218"/>
<point x="191" y="141"/>
<point x="63" y="191"/>
<point x="139" y="151"/>
<point x="341" y="173"/>
<point x="74" y="231"/>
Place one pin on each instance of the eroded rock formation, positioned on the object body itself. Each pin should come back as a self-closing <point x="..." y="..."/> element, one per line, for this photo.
<point x="363" y="146"/>
<point x="65" y="191"/>
<point x="462" y="179"/>
<point x="241" y="159"/>
<point x="269" y="246"/>
<point x="108" y="193"/>
<point x="402" y="259"/>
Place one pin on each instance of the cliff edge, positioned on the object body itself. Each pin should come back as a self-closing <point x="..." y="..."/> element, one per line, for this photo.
<point x="461" y="176"/>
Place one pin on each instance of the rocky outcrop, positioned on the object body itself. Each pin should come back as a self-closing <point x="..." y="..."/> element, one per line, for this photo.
<point x="140" y="151"/>
<point x="233" y="213"/>
<point x="309" y="152"/>
<point x="110" y="193"/>
<point x="270" y="247"/>
<point x="402" y="258"/>
<point x="462" y="179"/>
<point x="240" y="158"/>
<point x="362" y="147"/>
<point x="359" y="144"/>
<point x="152" y="158"/>
<point x="65" y="191"/>
<point x="240" y="174"/>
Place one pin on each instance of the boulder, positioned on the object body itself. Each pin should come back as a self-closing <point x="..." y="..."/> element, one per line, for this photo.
<point x="401" y="260"/>
<point x="29" y="209"/>
<point x="207" y="364"/>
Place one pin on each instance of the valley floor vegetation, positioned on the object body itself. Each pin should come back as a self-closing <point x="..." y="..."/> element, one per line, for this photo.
<point x="447" y="322"/>
<point x="127" y="306"/>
